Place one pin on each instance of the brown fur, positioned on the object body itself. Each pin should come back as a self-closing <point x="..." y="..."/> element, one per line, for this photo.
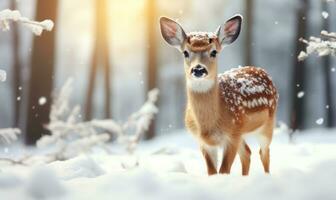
<point x="206" y="114"/>
<point x="221" y="109"/>
<point x="210" y="118"/>
<point x="199" y="43"/>
<point x="211" y="167"/>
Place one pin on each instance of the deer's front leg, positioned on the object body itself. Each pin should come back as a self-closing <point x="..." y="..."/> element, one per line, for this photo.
<point x="229" y="156"/>
<point x="210" y="156"/>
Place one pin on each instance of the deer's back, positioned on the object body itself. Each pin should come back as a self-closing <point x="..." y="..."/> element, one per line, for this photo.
<point x="247" y="90"/>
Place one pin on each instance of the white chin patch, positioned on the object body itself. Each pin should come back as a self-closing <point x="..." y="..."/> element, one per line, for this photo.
<point x="200" y="85"/>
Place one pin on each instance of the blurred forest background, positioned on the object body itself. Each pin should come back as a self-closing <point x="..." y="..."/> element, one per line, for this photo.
<point x="115" y="54"/>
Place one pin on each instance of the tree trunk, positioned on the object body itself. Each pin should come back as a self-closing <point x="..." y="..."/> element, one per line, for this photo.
<point x="42" y="74"/>
<point x="330" y="106"/>
<point x="105" y="55"/>
<point x="100" y="60"/>
<point x="298" y="80"/>
<point x="91" y="84"/>
<point x="248" y="57"/>
<point x="151" y="55"/>
<point x="16" y="70"/>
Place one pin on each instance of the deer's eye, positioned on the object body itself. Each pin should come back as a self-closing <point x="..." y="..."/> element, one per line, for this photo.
<point x="213" y="53"/>
<point x="186" y="54"/>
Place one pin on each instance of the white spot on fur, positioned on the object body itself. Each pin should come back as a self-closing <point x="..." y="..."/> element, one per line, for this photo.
<point x="249" y="104"/>
<point x="200" y="85"/>
<point x="265" y="101"/>
<point x="254" y="102"/>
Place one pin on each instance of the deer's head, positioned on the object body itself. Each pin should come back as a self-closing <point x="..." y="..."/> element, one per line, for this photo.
<point x="200" y="49"/>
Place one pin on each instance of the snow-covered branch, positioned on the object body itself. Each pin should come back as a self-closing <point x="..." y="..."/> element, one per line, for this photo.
<point x="71" y="136"/>
<point x="327" y="35"/>
<point x="7" y="16"/>
<point x="9" y="135"/>
<point x="319" y="46"/>
<point x="130" y="132"/>
<point x="323" y="46"/>
<point x="141" y="120"/>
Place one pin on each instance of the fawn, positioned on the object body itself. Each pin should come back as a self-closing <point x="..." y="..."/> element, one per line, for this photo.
<point x="222" y="108"/>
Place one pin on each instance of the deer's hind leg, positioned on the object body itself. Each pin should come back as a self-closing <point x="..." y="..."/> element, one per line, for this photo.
<point x="265" y="138"/>
<point x="245" y="157"/>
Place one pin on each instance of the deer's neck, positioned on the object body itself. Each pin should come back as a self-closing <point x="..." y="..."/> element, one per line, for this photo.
<point x="205" y="105"/>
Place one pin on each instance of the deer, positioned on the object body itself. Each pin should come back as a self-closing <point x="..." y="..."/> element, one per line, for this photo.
<point x="222" y="109"/>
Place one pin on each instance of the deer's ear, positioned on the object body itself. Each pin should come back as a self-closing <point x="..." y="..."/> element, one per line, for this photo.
<point x="172" y="32"/>
<point x="229" y="32"/>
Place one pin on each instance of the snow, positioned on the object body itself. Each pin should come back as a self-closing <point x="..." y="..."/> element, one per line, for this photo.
<point x="321" y="47"/>
<point x="328" y="34"/>
<point x="319" y="121"/>
<point x="325" y="14"/>
<point x="302" y="56"/>
<point x="300" y="94"/>
<point x="43" y="184"/>
<point x="3" y="76"/>
<point x="245" y="88"/>
<point x="70" y="136"/>
<point x="250" y="81"/>
<point x="202" y="34"/>
<point x="42" y="101"/>
<point x="6" y="16"/>
<point x="171" y="167"/>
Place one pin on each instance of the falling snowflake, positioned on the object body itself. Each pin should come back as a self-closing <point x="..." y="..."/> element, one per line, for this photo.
<point x="3" y="76"/>
<point x="300" y="94"/>
<point x="320" y="121"/>
<point x="325" y="14"/>
<point x="42" y="101"/>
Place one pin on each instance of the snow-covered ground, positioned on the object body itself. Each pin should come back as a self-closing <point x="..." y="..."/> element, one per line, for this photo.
<point x="171" y="167"/>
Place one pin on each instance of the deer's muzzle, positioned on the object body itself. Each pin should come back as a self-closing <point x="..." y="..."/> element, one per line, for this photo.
<point x="199" y="71"/>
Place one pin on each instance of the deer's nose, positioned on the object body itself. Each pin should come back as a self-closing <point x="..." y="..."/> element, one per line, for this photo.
<point x="199" y="71"/>
<point x="198" y="67"/>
